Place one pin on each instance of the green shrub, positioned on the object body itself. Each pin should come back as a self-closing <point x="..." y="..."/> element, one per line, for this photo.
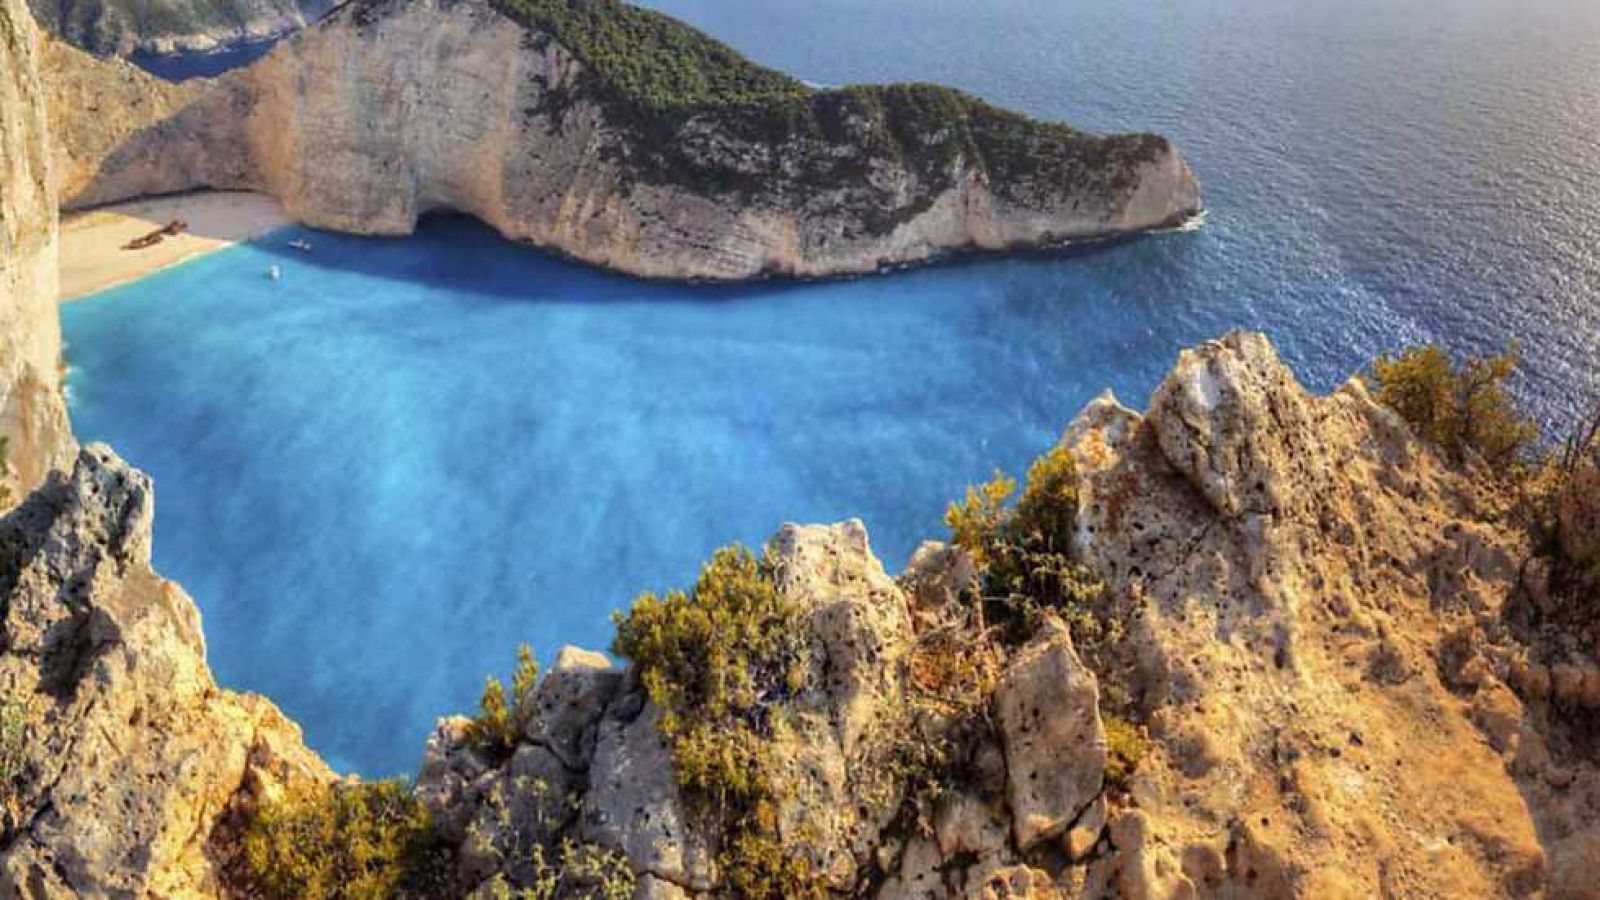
<point x="720" y="662"/>
<point x="1126" y="747"/>
<point x="731" y="646"/>
<point x="1460" y="408"/>
<point x="496" y="727"/>
<point x="579" y="872"/>
<point x="366" y="841"/>
<point x="525" y="677"/>
<point x="1566" y="495"/>
<point x="1024" y="551"/>
<point x="1578" y="519"/>
<point x="16" y="718"/>
<point x="977" y="523"/>
<point x="1573" y="490"/>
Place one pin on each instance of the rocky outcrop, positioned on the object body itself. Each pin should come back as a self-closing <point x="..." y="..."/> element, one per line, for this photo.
<point x="1307" y="605"/>
<point x="392" y="109"/>
<point x="125" y="764"/>
<point x="1048" y="706"/>
<point x="121" y="27"/>
<point x="1289" y="568"/>
<point x="1304" y="615"/>
<point x="33" y="419"/>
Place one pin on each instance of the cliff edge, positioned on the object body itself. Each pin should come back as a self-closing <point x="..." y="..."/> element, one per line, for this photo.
<point x="1295" y="682"/>
<point x="611" y="134"/>
<point x="125" y="767"/>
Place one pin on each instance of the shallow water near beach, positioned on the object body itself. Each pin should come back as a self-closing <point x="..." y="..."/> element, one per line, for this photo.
<point x="380" y="473"/>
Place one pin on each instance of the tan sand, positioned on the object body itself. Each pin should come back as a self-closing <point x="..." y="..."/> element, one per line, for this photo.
<point x="92" y="258"/>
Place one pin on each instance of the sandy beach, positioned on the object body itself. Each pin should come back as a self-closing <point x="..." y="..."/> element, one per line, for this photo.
<point x="92" y="254"/>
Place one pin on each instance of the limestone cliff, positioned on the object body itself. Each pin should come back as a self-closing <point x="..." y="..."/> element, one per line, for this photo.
<point x="33" y="419"/>
<point x="121" y="27"/>
<point x="125" y="765"/>
<point x="116" y="131"/>
<point x="660" y="153"/>
<point x="1304" y="609"/>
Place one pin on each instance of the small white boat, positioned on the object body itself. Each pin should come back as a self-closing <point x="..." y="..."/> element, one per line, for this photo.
<point x="303" y="246"/>
<point x="274" y="273"/>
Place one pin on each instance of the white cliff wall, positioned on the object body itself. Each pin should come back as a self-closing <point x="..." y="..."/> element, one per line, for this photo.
<point x="33" y="418"/>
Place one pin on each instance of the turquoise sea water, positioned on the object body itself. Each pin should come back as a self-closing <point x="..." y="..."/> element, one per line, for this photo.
<point x="379" y="474"/>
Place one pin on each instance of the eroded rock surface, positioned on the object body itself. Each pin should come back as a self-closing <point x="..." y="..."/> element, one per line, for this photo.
<point x="1048" y="707"/>
<point x="1288" y="566"/>
<point x="391" y="109"/>
<point x="133" y="760"/>
<point x="33" y="418"/>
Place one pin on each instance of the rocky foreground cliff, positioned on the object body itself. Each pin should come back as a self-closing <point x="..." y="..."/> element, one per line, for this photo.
<point x="1302" y="631"/>
<point x="608" y="133"/>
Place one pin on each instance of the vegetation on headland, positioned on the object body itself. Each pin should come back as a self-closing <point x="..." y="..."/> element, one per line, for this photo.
<point x="1462" y="407"/>
<point x="656" y="75"/>
<point x="653" y="60"/>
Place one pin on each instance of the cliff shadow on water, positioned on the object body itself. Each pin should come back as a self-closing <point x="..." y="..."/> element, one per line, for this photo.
<point x="464" y="236"/>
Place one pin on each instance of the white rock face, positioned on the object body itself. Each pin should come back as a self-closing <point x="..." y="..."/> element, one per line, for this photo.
<point x="390" y="110"/>
<point x="633" y="807"/>
<point x="32" y="416"/>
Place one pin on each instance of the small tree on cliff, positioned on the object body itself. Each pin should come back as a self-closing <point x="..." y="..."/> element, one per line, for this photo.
<point x="1024" y="550"/>
<point x="1459" y="407"/>
<point x="495" y="729"/>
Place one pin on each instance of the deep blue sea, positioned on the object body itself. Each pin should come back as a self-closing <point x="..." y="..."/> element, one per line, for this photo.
<point x="380" y="474"/>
